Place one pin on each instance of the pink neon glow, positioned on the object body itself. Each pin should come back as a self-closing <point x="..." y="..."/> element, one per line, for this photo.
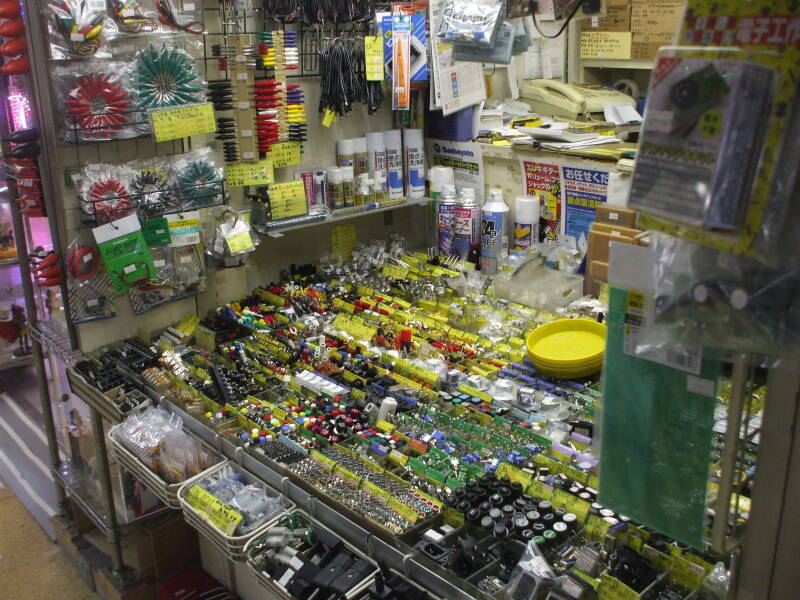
<point x="20" y="109"/>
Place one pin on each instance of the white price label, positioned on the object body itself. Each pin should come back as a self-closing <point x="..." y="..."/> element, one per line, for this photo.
<point x="248" y="156"/>
<point x="76" y="37"/>
<point x="159" y="263"/>
<point x="247" y="133"/>
<point x="129" y="269"/>
<point x="241" y="76"/>
<point x="244" y="105"/>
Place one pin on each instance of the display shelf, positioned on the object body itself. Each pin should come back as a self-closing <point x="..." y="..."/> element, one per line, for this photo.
<point x="619" y="63"/>
<point x="91" y="506"/>
<point x="394" y="554"/>
<point x="340" y="217"/>
<point x="9" y="262"/>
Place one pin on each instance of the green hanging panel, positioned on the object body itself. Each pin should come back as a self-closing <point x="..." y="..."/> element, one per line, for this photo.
<point x="656" y="433"/>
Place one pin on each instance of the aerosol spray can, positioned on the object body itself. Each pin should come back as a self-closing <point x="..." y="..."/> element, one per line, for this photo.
<point x="394" y="162"/>
<point x="414" y="160"/>
<point x="526" y="224"/>
<point x="445" y="219"/>
<point x="494" y="232"/>
<point x="467" y="223"/>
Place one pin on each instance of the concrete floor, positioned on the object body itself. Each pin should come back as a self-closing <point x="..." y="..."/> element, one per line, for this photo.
<point x="32" y="565"/>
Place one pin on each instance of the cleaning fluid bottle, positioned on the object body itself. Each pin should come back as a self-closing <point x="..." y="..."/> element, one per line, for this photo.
<point x="494" y="232"/>
<point x="467" y="223"/>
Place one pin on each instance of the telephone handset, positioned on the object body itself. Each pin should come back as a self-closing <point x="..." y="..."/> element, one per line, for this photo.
<point x="576" y="101"/>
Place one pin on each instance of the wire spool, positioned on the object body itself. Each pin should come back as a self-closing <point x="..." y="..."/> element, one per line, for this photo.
<point x="628" y="87"/>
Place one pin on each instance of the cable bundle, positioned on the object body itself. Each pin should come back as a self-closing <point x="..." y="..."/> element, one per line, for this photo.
<point x="344" y="79"/>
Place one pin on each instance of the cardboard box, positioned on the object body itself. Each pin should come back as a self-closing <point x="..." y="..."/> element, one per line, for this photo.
<point x="644" y="46"/>
<point x="613" y="215"/>
<point x="650" y="17"/>
<point x="606" y="44"/>
<point x="618" y="18"/>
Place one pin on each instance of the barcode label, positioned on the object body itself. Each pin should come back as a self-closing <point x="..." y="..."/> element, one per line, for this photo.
<point x="685" y="358"/>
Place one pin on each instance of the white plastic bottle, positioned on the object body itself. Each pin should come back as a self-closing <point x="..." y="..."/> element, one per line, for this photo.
<point x="526" y="225"/>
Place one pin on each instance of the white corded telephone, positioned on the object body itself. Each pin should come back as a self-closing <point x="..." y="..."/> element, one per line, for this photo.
<point x="575" y="101"/>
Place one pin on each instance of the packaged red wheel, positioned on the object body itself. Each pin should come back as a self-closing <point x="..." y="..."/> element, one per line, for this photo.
<point x="105" y="192"/>
<point x="98" y="103"/>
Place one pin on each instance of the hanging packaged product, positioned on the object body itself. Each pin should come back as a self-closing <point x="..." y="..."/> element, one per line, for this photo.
<point x="198" y="179"/>
<point x="105" y="193"/>
<point x="124" y="252"/>
<point x="705" y="168"/>
<point x="75" y="29"/>
<point x="185" y="17"/>
<point x="707" y="297"/>
<point x="401" y="62"/>
<point x="232" y="237"/>
<point x="499" y="51"/>
<point x="97" y="102"/>
<point x="470" y="21"/>
<point x="89" y="287"/>
<point x="184" y="228"/>
<point x="128" y="17"/>
<point x="150" y="187"/>
<point x="166" y="76"/>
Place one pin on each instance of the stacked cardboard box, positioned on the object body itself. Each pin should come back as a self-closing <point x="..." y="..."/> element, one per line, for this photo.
<point x="651" y="23"/>
<point x="654" y="23"/>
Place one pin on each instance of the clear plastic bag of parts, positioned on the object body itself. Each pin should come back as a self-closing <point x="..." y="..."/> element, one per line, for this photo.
<point x="89" y="287"/>
<point x="180" y="272"/>
<point x="229" y="238"/>
<point x="198" y="178"/>
<point x="183" y="457"/>
<point x="706" y="297"/>
<point x="96" y="102"/>
<point x="534" y="284"/>
<point x="470" y="22"/>
<point x="130" y="17"/>
<point x="164" y="73"/>
<point x="251" y="501"/>
<point x="157" y="438"/>
<point x="75" y="29"/>
<point x="180" y="16"/>
<point x="717" y="153"/>
<point x="532" y="578"/>
<point x="104" y="192"/>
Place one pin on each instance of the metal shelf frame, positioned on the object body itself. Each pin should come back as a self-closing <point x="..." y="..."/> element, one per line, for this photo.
<point x="394" y="555"/>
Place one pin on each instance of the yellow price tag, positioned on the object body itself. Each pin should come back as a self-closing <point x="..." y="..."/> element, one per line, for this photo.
<point x="184" y="121"/>
<point x="373" y="55"/>
<point x="250" y="173"/>
<point x="343" y="240"/>
<point x="213" y="510"/>
<point x="614" y="589"/>
<point x="328" y="118"/>
<point x="285" y="154"/>
<point x="240" y="242"/>
<point x="288" y="200"/>
<point x="395" y="271"/>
